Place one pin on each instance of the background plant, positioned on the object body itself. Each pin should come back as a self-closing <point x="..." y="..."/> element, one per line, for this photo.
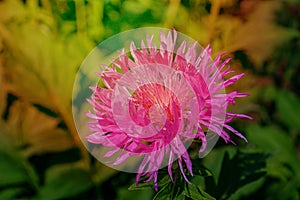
<point x="43" y="43"/>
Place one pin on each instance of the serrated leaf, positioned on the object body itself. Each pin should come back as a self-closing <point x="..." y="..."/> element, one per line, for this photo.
<point x="200" y="169"/>
<point x="195" y="192"/>
<point x="273" y="140"/>
<point x="145" y="185"/>
<point x="65" y="182"/>
<point x="169" y="189"/>
<point x="164" y="193"/>
<point x="238" y="171"/>
<point x="284" y="163"/>
<point x="141" y="186"/>
<point x="180" y="189"/>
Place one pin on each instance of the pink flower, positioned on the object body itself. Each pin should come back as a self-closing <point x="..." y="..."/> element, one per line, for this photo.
<point x="156" y="101"/>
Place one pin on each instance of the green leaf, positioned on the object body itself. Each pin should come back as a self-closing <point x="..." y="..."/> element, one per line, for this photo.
<point x="167" y="188"/>
<point x="284" y="189"/>
<point x="273" y="140"/>
<point x="164" y="192"/>
<point x="289" y="108"/>
<point x="196" y="192"/>
<point x="284" y="164"/>
<point x="200" y="169"/>
<point x="238" y="171"/>
<point x="12" y="171"/>
<point x="141" y="186"/>
<point x="248" y="190"/>
<point x="17" y="175"/>
<point x="15" y="170"/>
<point x="10" y="193"/>
<point x="145" y="185"/>
<point x="180" y="189"/>
<point x="125" y="194"/>
<point x="213" y="161"/>
<point x="65" y="182"/>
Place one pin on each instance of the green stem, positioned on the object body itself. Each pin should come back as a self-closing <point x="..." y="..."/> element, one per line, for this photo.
<point x="80" y="17"/>
<point x="214" y="12"/>
<point x="171" y="13"/>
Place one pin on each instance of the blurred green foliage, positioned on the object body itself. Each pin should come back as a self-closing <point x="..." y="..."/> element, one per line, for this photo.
<point x="42" y="44"/>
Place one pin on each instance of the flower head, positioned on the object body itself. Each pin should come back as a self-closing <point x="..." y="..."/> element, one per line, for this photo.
<point x="156" y="101"/>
